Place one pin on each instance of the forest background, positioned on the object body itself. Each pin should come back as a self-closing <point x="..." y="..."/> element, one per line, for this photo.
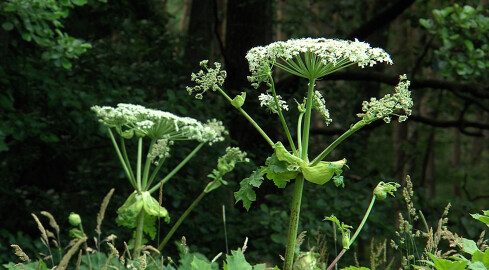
<point x="59" y="58"/>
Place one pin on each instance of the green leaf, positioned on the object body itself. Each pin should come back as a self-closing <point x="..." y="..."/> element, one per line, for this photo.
<point x="236" y="261"/>
<point x="278" y="171"/>
<point x="319" y="174"/>
<point x="238" y="101"/>
<point x="355" y="268"/>
<point x="261" y="266"/>
<point x="426" y="23"/>
<point x="79" y="2"/>
<point x="483" y="258"/>
<point x="469" y="44"/>
<point x="129" y="211"/>
<point x="199" y="264"/>
<point x="442" y="264"/>
<point x="477" y="266"/>
<point x="246" y="194"/>
<point x="76" y="233"/>
<point x="48" y="137"/>
<point x="66" y="64"/>
<point x="7" y="26"/>
<point x="322" y="172"/>
<point x="482" y="218"/>
<point x="153" y="208"/>
<point x="469" y="246"/>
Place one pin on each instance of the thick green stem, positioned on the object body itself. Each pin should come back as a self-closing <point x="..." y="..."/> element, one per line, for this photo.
<point x="180" y="220"/>
<point x="121" y="159"/>
<point x="307" y="121"/>
<point x="293" y="222"/>
<point x="352" y="239"/>
<point x="248" y="117"/>
<point x="147" y="165"/>
<point x="299" y="183"/>
<point x="177" y="168"/>
<point x="341" y="138"/>
<point x="139" y="234"/>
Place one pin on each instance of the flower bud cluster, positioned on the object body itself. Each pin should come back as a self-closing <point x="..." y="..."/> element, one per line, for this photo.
<point x="213" y="131"/>
<point x="268" y="101"/>
<point x="227" y="162"/>
<point x="319" y="104"/>
<point x="207" y="79"/>
<point x="160" y="150"/>
<point x="390" y="104"/>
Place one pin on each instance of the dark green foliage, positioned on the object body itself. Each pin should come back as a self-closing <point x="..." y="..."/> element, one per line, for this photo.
<point x="462" y="31"/>
<point x="54" y="155"/>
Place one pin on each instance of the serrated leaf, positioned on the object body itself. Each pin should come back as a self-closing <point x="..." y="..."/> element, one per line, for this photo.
<point x="199" y="264"/>
<point x="129" y="211"/>
<point x="246" y="194"/>
<point x="236" y="261"/>
<point x="332" y="218"/>
<point x="278" y="171"/>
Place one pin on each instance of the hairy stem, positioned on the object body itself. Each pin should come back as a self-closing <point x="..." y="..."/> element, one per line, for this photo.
<point x="299" y="184"/>
<point x="139" y="234"/>
<point x="293" y="222"/>
<point x="147" y="165"/>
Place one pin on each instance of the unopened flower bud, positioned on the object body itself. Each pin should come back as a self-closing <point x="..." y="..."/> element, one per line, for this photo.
<point x="74" y="219"/>
<point x="382" y="189"/>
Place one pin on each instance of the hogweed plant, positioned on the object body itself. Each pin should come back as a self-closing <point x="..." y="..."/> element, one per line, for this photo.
<point x="311" y="59"/>
<point x="157" y="131"/>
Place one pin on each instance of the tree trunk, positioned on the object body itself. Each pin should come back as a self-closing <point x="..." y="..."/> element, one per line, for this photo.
<point x="183" y="20"/>
<point x="200" y="32"/>
<point x="249" y="24"/>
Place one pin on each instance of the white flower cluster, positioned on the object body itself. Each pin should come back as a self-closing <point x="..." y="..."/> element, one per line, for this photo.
<point x="232" y="156"/>
<point x="333" y="54"/>
<point x="213" y="131"/>
<point x="268" y="101"/>
<point x="129" y="120"/>
<point x="160" y="150"/>
<point x="388" y="105"/>
<point x="319" y="104"/>
<point x="207" y="79"/>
